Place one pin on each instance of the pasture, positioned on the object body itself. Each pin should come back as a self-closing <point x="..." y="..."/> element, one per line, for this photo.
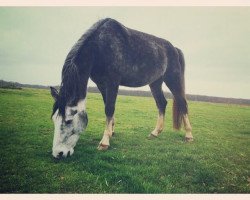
<point x="217" y="161"/>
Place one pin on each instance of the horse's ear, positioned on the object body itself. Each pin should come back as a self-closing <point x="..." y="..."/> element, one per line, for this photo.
<point x="54" y="93"/>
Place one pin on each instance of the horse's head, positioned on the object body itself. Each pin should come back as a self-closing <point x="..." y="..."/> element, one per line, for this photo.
<point x="68" y="124"/>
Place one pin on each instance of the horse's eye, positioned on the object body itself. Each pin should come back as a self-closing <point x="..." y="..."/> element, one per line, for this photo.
<point x="73" y="112"/>
<point x="68" y="122"/>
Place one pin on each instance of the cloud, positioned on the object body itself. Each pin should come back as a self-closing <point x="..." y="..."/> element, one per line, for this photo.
<point x="35" y="41"/>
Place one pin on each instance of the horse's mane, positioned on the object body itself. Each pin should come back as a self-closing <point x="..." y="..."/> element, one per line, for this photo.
<point x="69" y="89"/>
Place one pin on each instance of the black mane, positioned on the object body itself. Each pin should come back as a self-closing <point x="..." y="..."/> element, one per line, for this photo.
<point x="70" y="86"/>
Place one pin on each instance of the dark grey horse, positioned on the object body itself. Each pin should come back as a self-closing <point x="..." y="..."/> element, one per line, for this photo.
<point x="113" y="55"/>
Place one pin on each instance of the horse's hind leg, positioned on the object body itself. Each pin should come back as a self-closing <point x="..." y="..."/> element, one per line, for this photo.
<point x="161" y="102"/>
<point x="110" y="99"/>
<point x="188" y="129"/>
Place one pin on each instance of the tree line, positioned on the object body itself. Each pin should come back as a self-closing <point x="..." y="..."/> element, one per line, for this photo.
<point x="190" y="97"/>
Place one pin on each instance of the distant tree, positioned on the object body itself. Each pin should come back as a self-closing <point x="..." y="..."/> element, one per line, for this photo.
<point x="9" y="85"/>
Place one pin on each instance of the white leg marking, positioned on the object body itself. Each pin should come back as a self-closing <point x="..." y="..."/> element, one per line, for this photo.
<point x="188" y="128"/>
<point x="104" y="143"/>
<point x="159" y="125"/>
<point x="105" y="139"/>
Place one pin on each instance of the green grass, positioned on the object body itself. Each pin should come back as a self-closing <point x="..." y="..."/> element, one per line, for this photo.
<point x="218" y="161"/>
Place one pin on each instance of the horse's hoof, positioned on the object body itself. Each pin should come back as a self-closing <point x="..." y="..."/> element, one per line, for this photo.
<point x="189" y="139"/>
<point x="151" y="136"/>
<point x="103" y="147"/>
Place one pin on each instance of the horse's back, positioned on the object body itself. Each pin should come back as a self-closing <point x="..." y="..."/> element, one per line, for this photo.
<point x="135" y="57"/>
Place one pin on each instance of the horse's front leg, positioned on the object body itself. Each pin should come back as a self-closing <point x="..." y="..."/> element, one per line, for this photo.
<point x="111" y="94"/>
<point x="104" y="143"/>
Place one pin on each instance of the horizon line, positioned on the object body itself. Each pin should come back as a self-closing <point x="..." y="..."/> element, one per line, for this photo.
<point x="134" y="89"/>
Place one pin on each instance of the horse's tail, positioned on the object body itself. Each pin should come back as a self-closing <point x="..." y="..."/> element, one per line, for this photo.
<point x="182" y="62"/>
<point x="180" y="107"/>
<point x="175" y="81"/>
<point x="179" y="110"/>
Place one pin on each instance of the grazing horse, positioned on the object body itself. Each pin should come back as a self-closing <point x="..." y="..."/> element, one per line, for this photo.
<point x="113" y="55"/>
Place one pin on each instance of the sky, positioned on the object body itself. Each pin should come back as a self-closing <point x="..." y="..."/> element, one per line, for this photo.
<point x="215" y="40"/>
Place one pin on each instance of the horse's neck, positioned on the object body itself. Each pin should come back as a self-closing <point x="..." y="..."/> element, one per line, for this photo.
<point x="83" y="89"/>
<point x="83" y="83"/>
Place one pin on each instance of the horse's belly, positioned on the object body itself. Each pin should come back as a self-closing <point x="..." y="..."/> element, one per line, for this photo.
<point x="133" y="83"/>
<point x="137" y="77"/>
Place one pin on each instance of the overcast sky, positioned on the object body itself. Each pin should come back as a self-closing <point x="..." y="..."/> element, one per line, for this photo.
<point x="215" y="41"/>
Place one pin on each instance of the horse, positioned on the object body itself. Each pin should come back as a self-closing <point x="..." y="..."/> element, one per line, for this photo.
<point x="112" y="55"/>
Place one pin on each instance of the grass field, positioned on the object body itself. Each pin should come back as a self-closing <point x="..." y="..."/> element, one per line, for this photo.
<point x="218" y="161"/>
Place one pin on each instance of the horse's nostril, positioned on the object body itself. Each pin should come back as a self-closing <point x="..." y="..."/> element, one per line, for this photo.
<point x="68" y="154"/>
<point x="60" y="154"/>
